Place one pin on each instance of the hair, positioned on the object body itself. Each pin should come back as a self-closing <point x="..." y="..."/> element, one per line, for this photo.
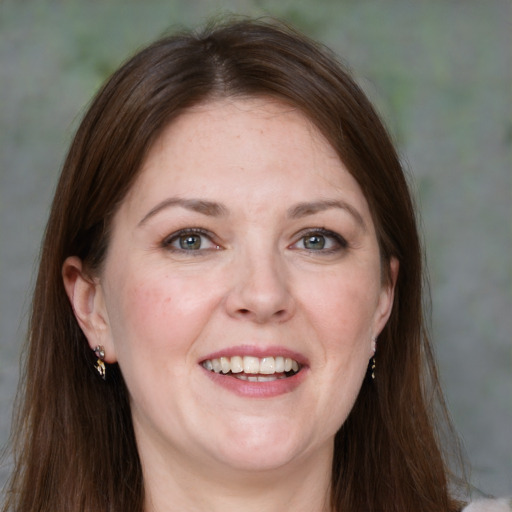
<point x="74" y="444"/>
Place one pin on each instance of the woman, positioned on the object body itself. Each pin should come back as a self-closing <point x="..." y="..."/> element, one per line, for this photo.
<point x="228" y="307"/>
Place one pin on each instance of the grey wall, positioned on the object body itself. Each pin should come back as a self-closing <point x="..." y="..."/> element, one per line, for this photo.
<point x="439" y="71"/>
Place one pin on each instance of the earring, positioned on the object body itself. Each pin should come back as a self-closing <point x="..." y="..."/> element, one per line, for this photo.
<point x="372" y="360"/>
<point x="99" y="352"/>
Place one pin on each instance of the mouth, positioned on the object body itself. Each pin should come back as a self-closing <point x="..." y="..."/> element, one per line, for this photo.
<point x="254" y="369"/>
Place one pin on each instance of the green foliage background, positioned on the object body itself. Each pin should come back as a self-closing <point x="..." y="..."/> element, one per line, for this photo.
<point x="439" y="72"/>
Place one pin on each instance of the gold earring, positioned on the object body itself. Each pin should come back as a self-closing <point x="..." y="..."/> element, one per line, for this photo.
<point x="99" y="352"/>
<point x="373" y="367"/>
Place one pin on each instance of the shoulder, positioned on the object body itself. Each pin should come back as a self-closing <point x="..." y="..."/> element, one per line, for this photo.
<point x="501" y="505"/>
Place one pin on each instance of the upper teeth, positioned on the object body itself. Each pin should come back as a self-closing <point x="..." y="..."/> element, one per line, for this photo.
<point x="252" y="365"/>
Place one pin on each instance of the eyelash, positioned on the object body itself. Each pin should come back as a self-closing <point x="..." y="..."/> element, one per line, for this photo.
<point x="190" y="232"/>
<point x="339" y="241"/>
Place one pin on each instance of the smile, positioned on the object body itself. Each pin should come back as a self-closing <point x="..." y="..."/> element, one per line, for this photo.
<point x="254" y="369"/>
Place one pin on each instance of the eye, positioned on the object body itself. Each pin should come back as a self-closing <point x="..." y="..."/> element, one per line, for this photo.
<point x="314" y="242"/>
<point x="190" y="240"/>
<point x="320" y="240"/>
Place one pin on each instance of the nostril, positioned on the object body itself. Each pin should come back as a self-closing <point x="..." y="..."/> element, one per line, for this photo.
<point x="245" y="312"/>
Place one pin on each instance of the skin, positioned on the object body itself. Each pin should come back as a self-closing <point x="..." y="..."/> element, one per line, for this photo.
<point x="260" y="279"/>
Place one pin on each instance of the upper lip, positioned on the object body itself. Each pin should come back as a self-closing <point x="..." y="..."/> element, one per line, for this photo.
<point x="257" y="351"/>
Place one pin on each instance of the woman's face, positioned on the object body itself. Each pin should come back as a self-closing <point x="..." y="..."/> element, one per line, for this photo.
<point x="244" y="252"/>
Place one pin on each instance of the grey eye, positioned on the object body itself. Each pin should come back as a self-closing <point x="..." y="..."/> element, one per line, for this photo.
<point x="314" y="242"/>
<point x="190" y="242"/>
<point x="321" y="241"/>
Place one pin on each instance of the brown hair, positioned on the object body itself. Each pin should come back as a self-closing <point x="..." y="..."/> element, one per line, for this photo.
<point x="75" y="448"/>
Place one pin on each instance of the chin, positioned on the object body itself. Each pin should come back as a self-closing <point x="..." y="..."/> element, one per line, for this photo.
<point x="264" y="446"/>
<point x="265" y="458"/>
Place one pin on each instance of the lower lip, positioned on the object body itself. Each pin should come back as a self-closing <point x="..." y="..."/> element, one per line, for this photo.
<point x="258" y="389"/>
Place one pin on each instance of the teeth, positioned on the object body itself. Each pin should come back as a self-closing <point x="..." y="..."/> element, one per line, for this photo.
<point x="217" y="366"/>
<point x="237" y="364"/>
<point x="251" y="364"/>
<point x="259" y="378"/>
<point x="252" y="368"/>
<point x="225" y="364"/>
<point x="268" y="366"/>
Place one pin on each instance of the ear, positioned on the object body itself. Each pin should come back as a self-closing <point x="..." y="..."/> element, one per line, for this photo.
<point x="88" y="302"/>
<point x="386" y="297"/>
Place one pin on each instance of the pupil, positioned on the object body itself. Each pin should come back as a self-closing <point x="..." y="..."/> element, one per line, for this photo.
<point x="190" y="242"/>
<point x="314" y="242"/>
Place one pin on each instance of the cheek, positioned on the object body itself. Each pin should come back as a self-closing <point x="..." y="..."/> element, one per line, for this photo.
<point x="158" y="314"/>
<point x="343" y="307"/>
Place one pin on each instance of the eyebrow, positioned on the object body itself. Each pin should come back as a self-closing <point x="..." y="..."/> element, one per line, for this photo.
<point x="310" y="208"/>
<point x="208" y="208"/>
<point x="213" y="209"/>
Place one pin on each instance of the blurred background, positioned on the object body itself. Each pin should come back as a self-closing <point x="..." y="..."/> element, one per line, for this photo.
<point x="440" y="73"/>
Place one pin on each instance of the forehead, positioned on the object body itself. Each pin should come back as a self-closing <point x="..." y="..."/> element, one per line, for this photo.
<point x="260" y="120"/>
<point x="224" y="146"/>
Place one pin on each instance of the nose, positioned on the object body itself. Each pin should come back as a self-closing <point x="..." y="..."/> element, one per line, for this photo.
<point x="260" y="290"/>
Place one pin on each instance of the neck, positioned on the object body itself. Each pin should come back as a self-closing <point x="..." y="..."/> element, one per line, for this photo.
<point x="303" y="486"/>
